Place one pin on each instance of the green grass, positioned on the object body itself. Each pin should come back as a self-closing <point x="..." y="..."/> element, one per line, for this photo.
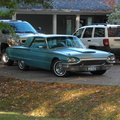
<point x="15" y="116"/>
<point x="24" y="100"/>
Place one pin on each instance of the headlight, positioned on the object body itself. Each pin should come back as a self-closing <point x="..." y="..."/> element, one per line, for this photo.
<point x="13" y="41"/>
<point x="73" y="60"/>
<point x="111" y="59"/>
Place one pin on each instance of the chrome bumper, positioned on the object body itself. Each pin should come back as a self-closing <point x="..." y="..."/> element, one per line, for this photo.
<point x="87" y="68"/>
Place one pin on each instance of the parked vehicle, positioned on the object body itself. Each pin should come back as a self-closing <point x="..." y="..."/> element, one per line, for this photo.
<point x="60" y="53"/>
<point x="22" y="31"/>
<point x="104" y="37"/>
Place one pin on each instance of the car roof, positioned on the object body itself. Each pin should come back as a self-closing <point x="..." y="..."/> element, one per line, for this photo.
<point x="30" y="39"/>
<point x="11" y="21"/>
<point x="101" y="25"/>
<point x="53" y="35"/>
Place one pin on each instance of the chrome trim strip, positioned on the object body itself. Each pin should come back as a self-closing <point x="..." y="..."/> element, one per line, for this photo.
<point x="93" y="59"/>
<point x="86" y="60"/>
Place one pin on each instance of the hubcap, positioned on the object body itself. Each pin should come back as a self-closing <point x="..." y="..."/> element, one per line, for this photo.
<point x="58" y="68"/>
<point x="21" y="64"/>
<point x="5" y="58"/>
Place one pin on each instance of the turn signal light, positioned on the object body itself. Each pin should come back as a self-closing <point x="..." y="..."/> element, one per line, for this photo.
<point x="106" y="42"/>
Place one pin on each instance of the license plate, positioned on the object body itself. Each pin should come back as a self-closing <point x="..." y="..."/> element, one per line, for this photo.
<point x="91" y="68"/>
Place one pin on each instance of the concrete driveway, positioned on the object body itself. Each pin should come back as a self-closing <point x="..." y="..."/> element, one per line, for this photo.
<point x="111" y="77"/>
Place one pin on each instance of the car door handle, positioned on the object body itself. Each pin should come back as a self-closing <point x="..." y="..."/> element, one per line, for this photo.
<point x="89" y="40"/>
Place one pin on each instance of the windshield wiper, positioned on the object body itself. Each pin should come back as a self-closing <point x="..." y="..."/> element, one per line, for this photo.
<point x="29" y="32"/>
<point x="24" y="32"/>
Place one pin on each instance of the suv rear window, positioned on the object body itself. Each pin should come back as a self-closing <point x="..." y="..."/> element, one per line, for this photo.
<point x="99" y="32"/>
<point x="114" y="32"/>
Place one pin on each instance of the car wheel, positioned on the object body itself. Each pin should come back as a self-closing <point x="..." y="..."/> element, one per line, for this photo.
<point x="22" y="65"/>
<point x="99" y="72"/>
<point x="58" y="69"/>
<point x="5" y="59"/>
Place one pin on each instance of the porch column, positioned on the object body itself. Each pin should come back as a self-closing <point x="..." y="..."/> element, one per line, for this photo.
<point x="77" y="21"/>
<point x="14" y="17"/>
<point x="54" y="24"/>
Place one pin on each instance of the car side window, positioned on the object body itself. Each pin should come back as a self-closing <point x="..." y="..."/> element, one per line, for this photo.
<point x="99" y="32"/>
<point x="88" y="33"/>
<point x="79" y="32"/>
<point x="39" y="43"/>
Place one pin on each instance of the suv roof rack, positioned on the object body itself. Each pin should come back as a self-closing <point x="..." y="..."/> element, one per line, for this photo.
<point x="105" y="24"/>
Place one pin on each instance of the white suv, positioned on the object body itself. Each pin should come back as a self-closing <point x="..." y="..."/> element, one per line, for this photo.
<point x="101" y="36"/>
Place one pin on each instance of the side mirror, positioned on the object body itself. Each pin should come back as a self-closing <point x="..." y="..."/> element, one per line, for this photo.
<point x="39" y="29"/>
<point x="43" y="47"/>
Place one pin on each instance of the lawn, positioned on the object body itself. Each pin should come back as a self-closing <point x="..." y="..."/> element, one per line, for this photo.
<point x="25" y="100"/>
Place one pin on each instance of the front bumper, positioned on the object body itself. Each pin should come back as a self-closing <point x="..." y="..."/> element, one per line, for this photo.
<point x="87" y="68"/>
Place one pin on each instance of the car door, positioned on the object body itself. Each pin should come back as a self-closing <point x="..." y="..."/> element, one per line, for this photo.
<point x="87" y="36"/>
<point x="38" y="53"/>
<point x="98" y="37"/>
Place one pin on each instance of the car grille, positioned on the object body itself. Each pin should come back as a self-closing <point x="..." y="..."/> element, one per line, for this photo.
<point x="93" y="62"/>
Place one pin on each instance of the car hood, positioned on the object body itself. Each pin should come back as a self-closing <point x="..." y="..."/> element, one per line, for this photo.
<point x="81" y="52"/>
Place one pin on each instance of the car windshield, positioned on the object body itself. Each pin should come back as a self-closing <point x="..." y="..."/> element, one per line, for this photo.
<point x="55" y="42"/>
<point x="114" y="32"/>
<point x="22" y="27"/>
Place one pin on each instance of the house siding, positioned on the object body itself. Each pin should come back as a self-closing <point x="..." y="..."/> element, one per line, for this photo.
<point x="62" y="19"/>
<point x="43" y="21"/>
<point x="46" y="21"/>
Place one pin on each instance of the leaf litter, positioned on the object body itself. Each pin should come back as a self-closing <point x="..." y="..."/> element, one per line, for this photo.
<point x="60" y="100"/>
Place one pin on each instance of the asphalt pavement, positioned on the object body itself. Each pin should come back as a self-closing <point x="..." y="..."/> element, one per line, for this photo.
<point x="111" y="77"/>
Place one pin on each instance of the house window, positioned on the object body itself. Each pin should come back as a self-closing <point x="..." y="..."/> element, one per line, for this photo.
<point x="89" y="20"/>
<point x="69" y="27"/>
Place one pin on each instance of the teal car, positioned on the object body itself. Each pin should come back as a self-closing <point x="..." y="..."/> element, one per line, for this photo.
<point x="60" y="53"/>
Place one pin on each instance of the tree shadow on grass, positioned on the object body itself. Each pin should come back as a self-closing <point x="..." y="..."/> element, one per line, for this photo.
<point x="60" y="101"/>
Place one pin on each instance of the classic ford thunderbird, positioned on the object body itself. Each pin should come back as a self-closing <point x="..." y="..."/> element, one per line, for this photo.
<point x="60" y="53"/>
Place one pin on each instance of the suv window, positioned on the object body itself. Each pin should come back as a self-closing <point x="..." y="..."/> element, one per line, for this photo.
<point x="99" y="32"/>
<point x="79" y="32"/>
<point x="114" y="32"/>
<point x="22" y="27"/>
<point x="88" y="33"/>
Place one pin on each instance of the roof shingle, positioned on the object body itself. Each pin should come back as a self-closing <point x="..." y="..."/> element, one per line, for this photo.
<point x="78" y="5"/>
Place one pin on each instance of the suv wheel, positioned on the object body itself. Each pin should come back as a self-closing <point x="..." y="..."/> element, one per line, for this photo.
<point x="5" y="59"/>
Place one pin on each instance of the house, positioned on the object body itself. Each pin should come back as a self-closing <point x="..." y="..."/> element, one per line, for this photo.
<point x="66" y="15"/>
